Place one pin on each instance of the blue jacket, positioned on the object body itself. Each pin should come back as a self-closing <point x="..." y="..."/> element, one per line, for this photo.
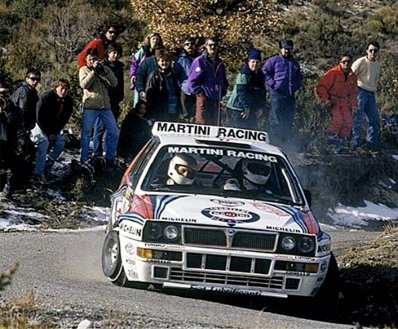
<point x="248" y="92"/>
<point x="282" y="75"/>
<point x="148" y="66"/>
<point x="208" y="77"/>
<point x="182" y="67"/>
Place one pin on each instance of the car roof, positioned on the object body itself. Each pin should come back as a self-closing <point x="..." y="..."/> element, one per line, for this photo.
<point x="193" y="134"/>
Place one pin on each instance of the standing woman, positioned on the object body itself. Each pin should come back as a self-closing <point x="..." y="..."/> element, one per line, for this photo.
<point x="247" y="101"/>
<point x="152" y="42"/>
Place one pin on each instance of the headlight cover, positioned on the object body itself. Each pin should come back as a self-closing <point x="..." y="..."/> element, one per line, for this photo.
<point x="288" y="243"/>
<point x="171" y="232"/>
<point x="306" y="245"/>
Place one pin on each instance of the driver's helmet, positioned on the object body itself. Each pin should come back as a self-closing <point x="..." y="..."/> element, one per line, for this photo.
<point x="182" y="169"/>
<point x="256" y="172"/>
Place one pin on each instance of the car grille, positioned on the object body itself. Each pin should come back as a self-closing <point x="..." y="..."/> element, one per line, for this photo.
<point x="227" y="263"/>
<point x="179" y="275"/>
<point x="229" y="238"/>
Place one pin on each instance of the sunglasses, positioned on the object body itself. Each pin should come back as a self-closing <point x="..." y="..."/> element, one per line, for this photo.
<point x="34" y="78"/>
<point x="373" y="50"/>
<point x="111" y="31"/>
<point x="212" y="44"/>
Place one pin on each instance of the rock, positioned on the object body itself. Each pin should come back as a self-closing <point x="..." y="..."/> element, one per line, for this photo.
<point x="85" y="324"/>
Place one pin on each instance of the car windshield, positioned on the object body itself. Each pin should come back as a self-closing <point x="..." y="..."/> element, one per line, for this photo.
<point x="222" y="171"/>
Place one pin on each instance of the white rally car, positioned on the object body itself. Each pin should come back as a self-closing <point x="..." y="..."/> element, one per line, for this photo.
<point x="215" y="209"/>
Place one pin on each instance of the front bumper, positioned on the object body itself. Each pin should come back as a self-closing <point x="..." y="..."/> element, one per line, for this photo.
<point x="223" y="270"/>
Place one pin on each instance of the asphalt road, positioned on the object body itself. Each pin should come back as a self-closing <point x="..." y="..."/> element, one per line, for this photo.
<point x="64" y="272"/>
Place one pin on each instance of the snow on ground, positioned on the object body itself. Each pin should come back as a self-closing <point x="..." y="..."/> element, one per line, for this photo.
<point x="14" y="218"/>
<point x="22" y="219"/>
<point x="362" y="217"/>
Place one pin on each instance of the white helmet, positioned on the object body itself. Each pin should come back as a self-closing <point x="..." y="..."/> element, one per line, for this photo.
<point x="182" y="169"/>
<point x="256" y="172"/>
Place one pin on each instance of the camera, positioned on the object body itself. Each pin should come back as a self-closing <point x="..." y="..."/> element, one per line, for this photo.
<point x="99" y="68"/>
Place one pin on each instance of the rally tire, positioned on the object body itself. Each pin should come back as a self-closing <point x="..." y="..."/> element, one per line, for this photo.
<point x="112" y="261"/>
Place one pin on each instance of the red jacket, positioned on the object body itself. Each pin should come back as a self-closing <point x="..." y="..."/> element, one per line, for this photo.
<point x="334" y="87"/>
<point x="96" y="43"/>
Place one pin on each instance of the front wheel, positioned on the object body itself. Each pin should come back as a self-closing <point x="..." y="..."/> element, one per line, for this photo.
<point x="112" y="261"/>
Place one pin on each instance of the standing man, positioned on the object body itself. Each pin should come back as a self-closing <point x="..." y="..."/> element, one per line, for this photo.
<point x="367" y="70"/>
<point x="54" y="110"/>
<point x="109" y="35"/>
<point x="283" y="77"/>
<point x="208" y="82"/>
<point x="11" y="157"/>
<point x="182" y="68"/>
<point x="95" y="79"/>
<point x="25" y="97"/>
<point x="337" y="91"/>
<point x="116" y="94"/>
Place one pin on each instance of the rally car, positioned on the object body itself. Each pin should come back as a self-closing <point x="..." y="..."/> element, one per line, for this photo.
<point x="216" y="209"/>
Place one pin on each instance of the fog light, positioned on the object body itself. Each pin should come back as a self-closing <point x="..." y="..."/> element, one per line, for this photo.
<point x="144" y="253"/>
<point x="311" y="268"/>
<point x="324" y="266"/>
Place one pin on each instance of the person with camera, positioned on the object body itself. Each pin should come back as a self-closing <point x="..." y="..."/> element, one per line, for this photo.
<point x="95" y="79"/>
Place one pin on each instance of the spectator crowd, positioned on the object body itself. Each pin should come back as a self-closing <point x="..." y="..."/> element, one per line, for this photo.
<point x="186" y="87"/>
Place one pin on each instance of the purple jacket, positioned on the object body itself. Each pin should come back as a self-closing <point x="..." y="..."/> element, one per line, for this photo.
<point x="282" y="75"/>
<point x="208" y="77"/>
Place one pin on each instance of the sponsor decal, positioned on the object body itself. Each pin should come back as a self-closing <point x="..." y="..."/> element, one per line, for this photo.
<point x="135" y="231"/>
<point x="130" y="248"/>
<point x="132" y="274"/>
<point x="270" y="209"/>
<point x="228" y="203"/>
<point x="154" y="245"/>
<point x="209" y="131"/>
<point x="222" y="152"/>
<point x="298" y="273"/>
<point x="231" y="216"/>
<point x="239" y="291"/>
<point x="158" y="261"/>
<point x="282" y="229"/>
<point x="180" y="220"/>
<point x="130" y="261"/>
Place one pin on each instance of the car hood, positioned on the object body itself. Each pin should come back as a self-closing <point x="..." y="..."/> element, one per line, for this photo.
<point x="233" y="212"/>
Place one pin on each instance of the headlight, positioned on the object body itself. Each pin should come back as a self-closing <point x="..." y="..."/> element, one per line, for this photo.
<point x="155" y="231"/>
<point x="171" y="232"/>
<point x="306" y="245"/>
<point x="288" y="243"/>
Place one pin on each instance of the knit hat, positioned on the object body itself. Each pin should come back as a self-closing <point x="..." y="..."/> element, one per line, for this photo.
<point x="286" y="44"/>
<point x="255" y="54"/>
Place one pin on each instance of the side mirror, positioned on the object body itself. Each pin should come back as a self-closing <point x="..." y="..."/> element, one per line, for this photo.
<point x="308" y="196"/>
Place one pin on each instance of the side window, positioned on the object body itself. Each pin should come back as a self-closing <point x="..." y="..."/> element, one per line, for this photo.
<point x="142" y="162"/>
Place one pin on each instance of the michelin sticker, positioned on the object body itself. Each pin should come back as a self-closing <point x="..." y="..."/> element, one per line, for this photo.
<point x="230" y="215"/>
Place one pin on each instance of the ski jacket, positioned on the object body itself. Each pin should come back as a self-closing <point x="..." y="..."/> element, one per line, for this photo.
<point x="182" y="67"/>
<point x="98" y="44"/>
<point x="282" y="75"/>
<point x="208" y="77"/>
<point x="248" y="92"/>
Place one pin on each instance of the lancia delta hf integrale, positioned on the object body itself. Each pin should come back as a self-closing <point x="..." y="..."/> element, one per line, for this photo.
<point x="215" y="209"/>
